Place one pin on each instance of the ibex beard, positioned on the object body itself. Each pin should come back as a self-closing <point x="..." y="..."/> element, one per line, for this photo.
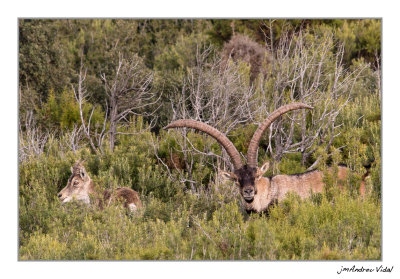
<point x="80" y="187"/>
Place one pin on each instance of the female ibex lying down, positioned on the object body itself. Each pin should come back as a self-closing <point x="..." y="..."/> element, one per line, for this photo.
<point x="257" y="191"/>
<point x="80" y="186"/>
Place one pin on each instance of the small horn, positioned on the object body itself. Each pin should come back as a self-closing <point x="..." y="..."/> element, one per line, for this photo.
<point x="255" y="141"/>
<point x="211" y="131"/>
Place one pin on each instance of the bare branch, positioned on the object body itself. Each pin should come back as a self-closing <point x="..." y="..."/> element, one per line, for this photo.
<point x="217" y="93"/>
<point x="303" y="72"/>
<point x="31" y="141"/>
<point x="128" y="93"/>
<point x="80" y="95"/>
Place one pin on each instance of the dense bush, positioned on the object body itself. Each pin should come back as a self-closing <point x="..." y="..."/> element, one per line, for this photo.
<point x="174" y="225"/>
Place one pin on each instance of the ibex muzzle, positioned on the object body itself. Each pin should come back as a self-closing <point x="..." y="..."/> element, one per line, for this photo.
<point x="257" y="191"/>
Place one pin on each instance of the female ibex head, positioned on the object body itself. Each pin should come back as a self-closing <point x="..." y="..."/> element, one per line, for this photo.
<point x="79" y="185"/>
<point x="245" y="175"/>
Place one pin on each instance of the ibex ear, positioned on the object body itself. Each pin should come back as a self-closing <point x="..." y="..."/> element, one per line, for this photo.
<point x="72" y="169"/>
<point x="82" y="173"/>
<point x="262" y="170"/>
<point x="228" y="175"/>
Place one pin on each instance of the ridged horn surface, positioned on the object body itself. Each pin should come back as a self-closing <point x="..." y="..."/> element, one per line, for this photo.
<point x="220" y="137"/>
<point x="255" y="141"/>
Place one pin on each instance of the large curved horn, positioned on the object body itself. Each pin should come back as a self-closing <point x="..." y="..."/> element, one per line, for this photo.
<point x="220" y="137"/>
<point x="255" y="141"/>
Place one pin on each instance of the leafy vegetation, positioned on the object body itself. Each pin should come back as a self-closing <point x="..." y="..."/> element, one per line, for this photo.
<point x="189" y="212"/>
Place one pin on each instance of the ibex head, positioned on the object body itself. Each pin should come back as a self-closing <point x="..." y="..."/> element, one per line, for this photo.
<point x="79" y="185"/>
<point x="246" y="178"/>
<point x="245" y="175"/>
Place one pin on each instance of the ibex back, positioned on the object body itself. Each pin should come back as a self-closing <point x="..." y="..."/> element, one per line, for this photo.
<point x="257" y="191"/>
<point x="80" y="186"/>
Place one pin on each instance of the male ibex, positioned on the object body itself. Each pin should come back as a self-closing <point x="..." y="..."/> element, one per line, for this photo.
<point x="260" y="192"/>
<point x="80" y="186"/>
